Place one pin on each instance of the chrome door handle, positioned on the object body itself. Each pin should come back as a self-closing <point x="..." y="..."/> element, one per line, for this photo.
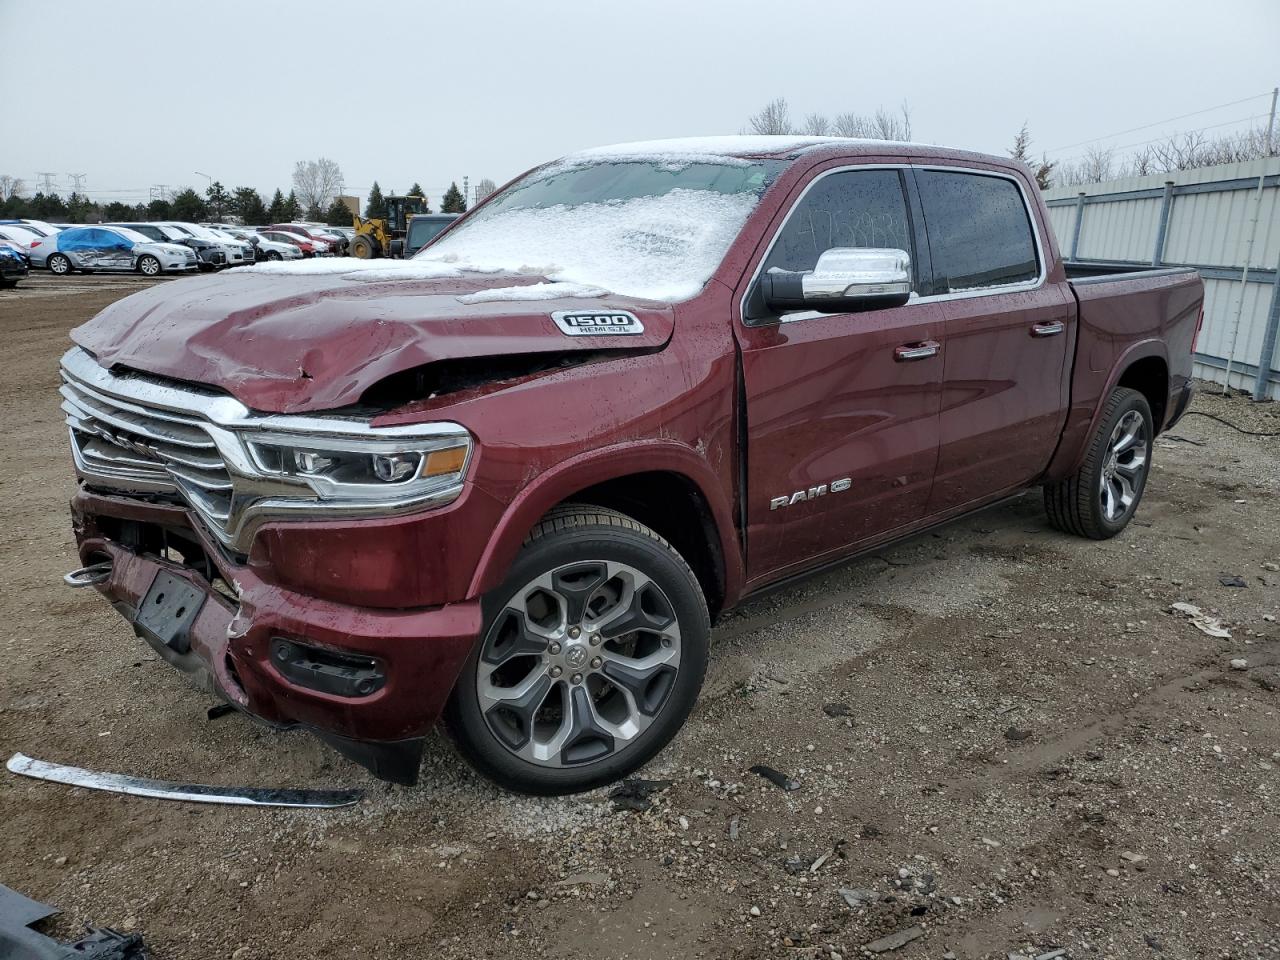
<point x="917" y="351"/>
<point x="1050" y="329"/>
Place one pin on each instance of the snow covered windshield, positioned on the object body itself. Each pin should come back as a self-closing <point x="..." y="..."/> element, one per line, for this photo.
<point x="654" y="228"/>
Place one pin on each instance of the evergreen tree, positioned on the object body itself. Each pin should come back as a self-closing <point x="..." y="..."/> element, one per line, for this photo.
<point x="337" y="215"/>
<point x="116" y="211"/>
<point x="415" y="190"/>
<point x="1043" y="169"/>
<point x="276" y="212"/>
<point x="314" y="213"/>
<point x="80" y="209"/>
<point x="218" y="200"/>
<point x="48" y="206"/>
<point x="292" y="208"/>
<point x="188" y="207"/>
<point x="248" y="206"/>
<point x="376" y="207"/>
<point x="159" y="210"/>
<point x="453" y="201"/>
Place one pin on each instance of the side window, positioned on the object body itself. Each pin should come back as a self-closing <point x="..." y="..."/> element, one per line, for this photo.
<point x="852" y="208"/>
<point x="979" y="231"/>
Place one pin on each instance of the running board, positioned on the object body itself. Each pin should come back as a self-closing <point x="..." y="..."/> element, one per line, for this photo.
<point x="26" y="766"/>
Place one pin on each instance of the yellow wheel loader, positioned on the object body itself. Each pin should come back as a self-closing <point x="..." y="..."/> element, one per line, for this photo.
<point x="376" y="237"/>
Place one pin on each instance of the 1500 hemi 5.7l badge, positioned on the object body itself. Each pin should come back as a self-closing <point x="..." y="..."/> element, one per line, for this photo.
<point x="604" y="323"/>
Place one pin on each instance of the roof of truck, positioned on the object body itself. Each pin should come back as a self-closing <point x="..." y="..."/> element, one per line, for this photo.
<point x="729" y="148"/>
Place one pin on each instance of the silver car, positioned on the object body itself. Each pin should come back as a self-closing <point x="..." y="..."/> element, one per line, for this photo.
<point x="109" y="248"/>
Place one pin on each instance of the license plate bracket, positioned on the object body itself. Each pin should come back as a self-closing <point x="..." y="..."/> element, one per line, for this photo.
<point x="169" y="609"/>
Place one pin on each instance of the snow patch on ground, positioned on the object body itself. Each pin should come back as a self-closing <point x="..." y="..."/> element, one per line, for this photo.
<point x="660" y="248"/>
<point x="533" y="291"/>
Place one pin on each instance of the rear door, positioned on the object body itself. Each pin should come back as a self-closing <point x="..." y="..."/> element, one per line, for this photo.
<point x="1004" y="393"/>
<point x="841" y="430"/>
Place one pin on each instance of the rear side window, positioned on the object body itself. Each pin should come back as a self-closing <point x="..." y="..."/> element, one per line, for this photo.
<point x="979" y="232"/>
<point x="852" y="208"/>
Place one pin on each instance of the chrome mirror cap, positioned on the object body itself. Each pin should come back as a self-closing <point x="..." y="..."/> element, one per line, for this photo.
<point x="851" y="272"/>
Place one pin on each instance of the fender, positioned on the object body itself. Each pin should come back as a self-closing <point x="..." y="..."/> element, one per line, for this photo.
<point x="596" y="466"/>
<point x="1075" y="435"/>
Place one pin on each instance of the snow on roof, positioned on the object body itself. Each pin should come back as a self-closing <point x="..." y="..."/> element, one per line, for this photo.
<point x="713" y="148"/>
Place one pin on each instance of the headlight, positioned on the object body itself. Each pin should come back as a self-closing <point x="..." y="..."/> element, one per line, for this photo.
<point x="362" y="469"/>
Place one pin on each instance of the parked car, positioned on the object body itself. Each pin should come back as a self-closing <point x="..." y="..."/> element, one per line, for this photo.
<point x="454" y="495"/>
<point x="337" y="244"/>
<point x="423" y="228"/>
<point x="38" y="227"/>
<point x="267" y="249"/>
<point x="109" y="248"/>
<point x="305" y="245"/>
<point x="210" y="255"/>
<point x="238" y="252"/>
<point x="14" y="264"/>
<point x="18" y="234"/>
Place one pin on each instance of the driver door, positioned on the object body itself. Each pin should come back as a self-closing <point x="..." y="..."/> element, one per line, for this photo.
<point x="841" y="408"/>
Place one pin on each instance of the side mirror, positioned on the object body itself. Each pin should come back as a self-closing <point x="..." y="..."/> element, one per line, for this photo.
<point x="845" y="279"/>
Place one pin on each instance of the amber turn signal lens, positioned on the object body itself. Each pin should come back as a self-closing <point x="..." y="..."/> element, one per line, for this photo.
<point x="441" y="462"/>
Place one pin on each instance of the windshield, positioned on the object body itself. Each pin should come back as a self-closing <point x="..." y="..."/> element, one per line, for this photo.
<point x="646" y="228"/>
<point x="199" y="232"/>
<point x="133" y="236"/>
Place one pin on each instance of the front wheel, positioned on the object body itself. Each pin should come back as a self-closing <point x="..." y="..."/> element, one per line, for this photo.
<point x="274" y="255"/>
<point x="1100" y="499"/>
<point x="592" y="656"/>
<point x="148" y="266"/>
<point x="59" y="264"/>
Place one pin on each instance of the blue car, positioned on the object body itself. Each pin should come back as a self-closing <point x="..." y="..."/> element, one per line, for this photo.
<point x="13" y="265"/>
<point x="108" y="248"/>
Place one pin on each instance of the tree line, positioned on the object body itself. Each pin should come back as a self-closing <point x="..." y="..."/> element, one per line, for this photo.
<point x="1180" y="152"/>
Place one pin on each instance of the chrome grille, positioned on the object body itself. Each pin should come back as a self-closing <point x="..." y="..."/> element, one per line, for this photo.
<point x="130" y="446"/>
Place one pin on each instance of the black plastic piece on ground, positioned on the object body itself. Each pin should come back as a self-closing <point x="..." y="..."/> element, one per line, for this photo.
<point x="776" y="777"/>
<point x="637" y="794"/>
<point x="219" y="710"/>
<point x="395" y="761"/>
<point x="19" y="942"/>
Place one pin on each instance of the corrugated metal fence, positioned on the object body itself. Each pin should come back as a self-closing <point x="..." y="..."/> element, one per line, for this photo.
<point x="1217" y="219"/>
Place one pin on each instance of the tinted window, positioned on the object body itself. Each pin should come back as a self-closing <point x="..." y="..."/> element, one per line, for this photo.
<point x="857" y="208"/>
<point x="420" y="231"/>
<point x="979" y="234"/>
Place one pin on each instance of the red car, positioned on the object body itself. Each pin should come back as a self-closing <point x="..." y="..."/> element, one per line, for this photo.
<point x="335" y="242"/>
<point x="308" y="246"/>
<point x="354" y="502"/>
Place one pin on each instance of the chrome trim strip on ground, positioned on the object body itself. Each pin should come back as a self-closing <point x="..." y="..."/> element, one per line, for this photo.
<point x="26" y="766"/>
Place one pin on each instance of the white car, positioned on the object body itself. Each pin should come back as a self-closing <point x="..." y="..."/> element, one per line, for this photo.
<point x="40" y="228"/>
<point x="238" y="253"/>
<point x="109" y="248"/>
<point x="17" y="234"/>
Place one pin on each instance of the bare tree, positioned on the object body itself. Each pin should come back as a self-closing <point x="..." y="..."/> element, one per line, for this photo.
<point x="775" y="118"/>
<point x="816" y="125"/>
<point x="484" y="187"/>
<point x="889" y="126"/>
<point x="316" y="182"/>
<point x="10" y="187"/>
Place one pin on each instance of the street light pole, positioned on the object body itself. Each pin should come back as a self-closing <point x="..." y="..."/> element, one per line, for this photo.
<point x="206" y="176"/>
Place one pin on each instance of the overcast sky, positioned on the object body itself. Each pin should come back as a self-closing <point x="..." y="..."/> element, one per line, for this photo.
<point x="139" y="93"/>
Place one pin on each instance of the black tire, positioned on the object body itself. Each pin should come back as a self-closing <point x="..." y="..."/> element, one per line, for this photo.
<point x="585" y="535"/>
<point x="274" y="255"/>
<point x="59" y="264"/>
<point x="6" y="284"/>
<point x="365" y="248"/>
<point x="1078" y="504"/>
<point x="149" y="266"/>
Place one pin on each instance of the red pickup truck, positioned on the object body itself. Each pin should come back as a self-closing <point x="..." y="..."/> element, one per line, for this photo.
<point x="515" y="480"/>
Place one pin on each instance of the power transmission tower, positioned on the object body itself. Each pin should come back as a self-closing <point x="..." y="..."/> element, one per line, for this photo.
<point x="48" y="180"/>
<point x="159" y="192"/>
<point x="77" y="179"/>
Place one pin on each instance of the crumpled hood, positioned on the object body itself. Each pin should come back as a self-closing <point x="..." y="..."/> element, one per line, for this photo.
<point x="288" y="344"/>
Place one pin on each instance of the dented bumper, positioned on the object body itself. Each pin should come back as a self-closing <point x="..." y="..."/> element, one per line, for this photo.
<point x="371" y="682"/>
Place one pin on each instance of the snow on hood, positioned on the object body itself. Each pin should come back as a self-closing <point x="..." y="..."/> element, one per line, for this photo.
<point x="532" y="291"/>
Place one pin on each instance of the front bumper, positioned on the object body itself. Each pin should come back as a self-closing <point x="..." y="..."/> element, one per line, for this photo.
<point x="228" y="646"/>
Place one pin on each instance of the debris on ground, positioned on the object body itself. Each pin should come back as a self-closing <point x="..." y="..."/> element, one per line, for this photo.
<point x="1016" y="735"/>
<point x="219" y="710"/>
<point x="636" y="795"/>
<point x="837" y="710"/>
<point x="1231" y="580"/>
<point x="894" y="941"/>
<point x="19" y="914"/>
<point x="857" y="897"/>
<point x="1210" y="626"/>
<point x="776" y="777"/>
<point x="1239" y="663"/>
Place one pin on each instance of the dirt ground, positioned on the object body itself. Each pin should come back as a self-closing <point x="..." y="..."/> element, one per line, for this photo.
<point x="1002" y="738"/>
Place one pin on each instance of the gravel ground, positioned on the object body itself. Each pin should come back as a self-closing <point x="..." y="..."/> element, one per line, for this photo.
<point x="1005" y="743"/>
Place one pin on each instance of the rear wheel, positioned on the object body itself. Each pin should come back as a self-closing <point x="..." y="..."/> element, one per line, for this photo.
<point x="59" y="264"/>
<point x="592" y="656"/>
<point x="273" y="255"/>
<point x="364" y="248"/>
<point x="1100" y="499"/>
<point x="148" y="265"/>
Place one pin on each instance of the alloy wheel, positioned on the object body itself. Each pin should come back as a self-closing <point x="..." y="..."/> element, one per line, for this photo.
<point x="578" y="663"/>
<point x="1127" y="457"/>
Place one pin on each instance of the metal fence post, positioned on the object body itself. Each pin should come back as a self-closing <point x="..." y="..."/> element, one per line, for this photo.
<point x="1166" y="205"/>
<point x="1075" y="231"/>
<point x="1265" y="358"/>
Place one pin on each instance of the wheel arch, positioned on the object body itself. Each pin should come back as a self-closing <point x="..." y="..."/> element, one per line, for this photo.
<point x="667" y="487"/>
